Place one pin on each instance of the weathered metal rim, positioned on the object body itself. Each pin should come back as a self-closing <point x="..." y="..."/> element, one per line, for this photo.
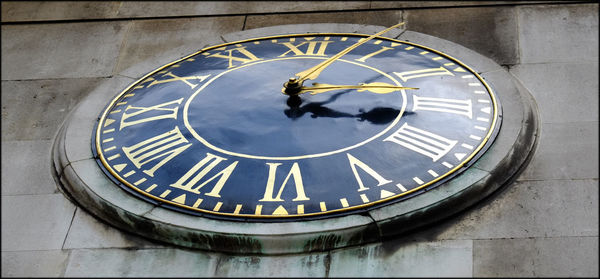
<point x="84" y="181"/>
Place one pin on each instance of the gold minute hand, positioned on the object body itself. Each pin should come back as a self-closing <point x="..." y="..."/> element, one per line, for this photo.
<point x="315" y="71"/>
<point x="375" y="87"/>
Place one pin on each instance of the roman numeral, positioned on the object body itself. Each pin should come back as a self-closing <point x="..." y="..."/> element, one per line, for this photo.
<point x="161" y="111"/>
<point x="423" y="73"/>
<point x="164" y="147"/>
<point x="270" y="188"/>
<point x="174" y="77"/>
<point x="357" y="163"/>
<point x="422" y="142"/>
<point x="461" y="107"/>
<point x="246" y="56"/>
<point x="192" y="180"/>
<point x="364" y="58"/>
<point x="310" y="48"/>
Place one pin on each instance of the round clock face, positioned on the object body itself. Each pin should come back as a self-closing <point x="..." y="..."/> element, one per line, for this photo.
<point x="213" y="134"/>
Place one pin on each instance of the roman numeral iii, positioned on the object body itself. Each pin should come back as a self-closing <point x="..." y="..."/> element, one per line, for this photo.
<point x="461" y="107"/>
<point x="441" y="71"/>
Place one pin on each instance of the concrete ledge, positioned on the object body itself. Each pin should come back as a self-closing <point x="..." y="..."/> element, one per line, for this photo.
<point x="83" y="179"/>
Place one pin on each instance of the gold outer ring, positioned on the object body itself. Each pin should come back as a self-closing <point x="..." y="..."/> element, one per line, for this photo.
<point x="125" y="182"/>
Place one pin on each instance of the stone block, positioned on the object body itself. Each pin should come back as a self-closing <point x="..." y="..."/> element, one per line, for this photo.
<point x="133" y="9"/>
<point x="382" y="18"/>
<point x="491" y="31"/>
<point x="305" y="265"/>
<point x="305" y="6"/>
<point x="558" y="33"/>
<point x="426" y="208"/>
<point x="260" y="238"/>
<point x="452" y="258"/>
<point x="25" y="168"/>
<point x="88" y="232"/>
<point x="518" y="126"/>
<point x="57" y="10"/>
<point x="99" y="194"/>
<point x="140" y="263"/>
<point x="565" y="151"/>
<point x="526" y="209"/>
<point x="147" y="39"/>
<point x="78" y="133"/>
<point x="34" y="109"/>
<point x="433" y="4"/>
<point x="35" y="222"/>
<point x="62" y="50"/>
<point x="310" y="28"/>
<point x="50" y="263"/>
<point x="536" y="257"/>
<point x="463" y="54"/>
<point x="564" y="92"/>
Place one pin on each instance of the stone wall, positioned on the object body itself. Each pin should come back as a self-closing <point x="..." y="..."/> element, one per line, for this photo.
<point x="545" y="224"/>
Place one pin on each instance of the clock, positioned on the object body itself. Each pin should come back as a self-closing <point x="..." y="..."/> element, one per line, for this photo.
<point x="295" y="138"/>
<point x="241" y="130"/>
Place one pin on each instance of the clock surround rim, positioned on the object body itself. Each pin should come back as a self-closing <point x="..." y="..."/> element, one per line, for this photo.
<point x="70" y="170"/>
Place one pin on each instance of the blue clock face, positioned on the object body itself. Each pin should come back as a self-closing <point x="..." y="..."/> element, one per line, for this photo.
<point x="215" y="133"/>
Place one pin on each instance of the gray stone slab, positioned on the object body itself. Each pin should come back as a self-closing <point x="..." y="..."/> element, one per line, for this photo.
<point x="102" y="196"/>
<point x="140" y="263"/>
<point x="536" y="257"/>
<point x="456" y="4"/>
<point x="64" y="10"/>
<point x="147" y="39"/>
<point x="558" y="33"/>
<point x="564" y="92"/>
<point x="78" y="134"/>
<point x="35" y="222"/>
<point x="34" y="109"/>
<point x="25" y="168"/>
<point x="552" y="208"/>
<point x="432" y="206"/>
<point x="50" y="263"/>
<point x="382" y="18"/>
<point x="57" y="10"/>
<point x="306" y="265"/>
<point x="88" y="232"/>
<point x="518" y="127"/>
<point x="565" y="151"/>
<point x="452" y="258"/>
<point x="491" y="31"/>
<point x="310" y="28"/>
<point x="261" y="238"/>
<point x="65" y="50"/>
<point x="465" y="55"/>
<point x="166" y="8"/>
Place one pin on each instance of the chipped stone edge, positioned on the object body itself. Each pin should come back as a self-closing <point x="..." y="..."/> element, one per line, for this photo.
<point x="87" y="185"/>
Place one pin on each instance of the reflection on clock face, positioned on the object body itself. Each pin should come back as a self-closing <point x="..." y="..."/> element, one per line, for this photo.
<point x="212" y="134"/>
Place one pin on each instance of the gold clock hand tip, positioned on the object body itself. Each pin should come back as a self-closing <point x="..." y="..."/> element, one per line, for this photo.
<point x="314" y="72"/>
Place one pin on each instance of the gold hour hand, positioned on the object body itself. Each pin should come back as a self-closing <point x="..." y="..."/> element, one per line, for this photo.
<point x="375" y="87"/>
<point x="314" y="72"/>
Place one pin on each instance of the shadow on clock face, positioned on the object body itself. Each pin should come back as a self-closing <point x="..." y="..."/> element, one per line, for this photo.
<point x="376" y="116"/>
<point x="244" y="111"/>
